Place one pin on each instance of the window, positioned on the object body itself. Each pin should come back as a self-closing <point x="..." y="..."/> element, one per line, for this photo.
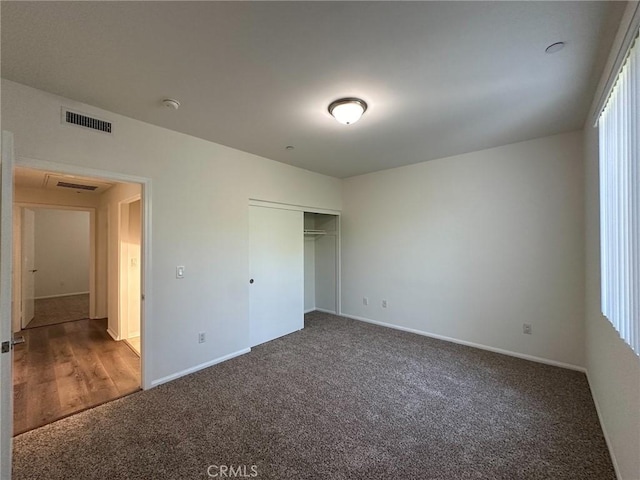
<point x="619" y="127"/>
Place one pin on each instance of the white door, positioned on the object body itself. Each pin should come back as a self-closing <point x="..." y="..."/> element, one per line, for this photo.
<point x="6" y="241"/>
<point x="276" y="299"/>
<point x="28" y="251"/>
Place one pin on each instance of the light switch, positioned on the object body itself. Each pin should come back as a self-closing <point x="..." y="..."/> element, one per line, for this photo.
<point x="180" y="272"/>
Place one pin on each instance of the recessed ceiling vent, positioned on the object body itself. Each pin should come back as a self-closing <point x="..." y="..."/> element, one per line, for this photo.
<point x="77" y="186"/>
<point x="74" y="118"/>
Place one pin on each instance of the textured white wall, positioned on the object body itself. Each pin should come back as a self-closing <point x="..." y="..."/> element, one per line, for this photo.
<point x="614" y="369"/>
<point x="473" y="246"/>
<point x="309" y="274"/>
<point x="61" y="252"/>
<point x="325" y="281"/>
<point x="200" y="209"/>
<point x="309" y="264"/>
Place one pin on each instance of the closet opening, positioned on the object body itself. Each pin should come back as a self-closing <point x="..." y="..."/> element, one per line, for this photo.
<point x="321" y="262"/>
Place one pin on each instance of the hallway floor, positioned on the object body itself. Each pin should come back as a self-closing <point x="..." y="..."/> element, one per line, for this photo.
<point x="66" y="368"/>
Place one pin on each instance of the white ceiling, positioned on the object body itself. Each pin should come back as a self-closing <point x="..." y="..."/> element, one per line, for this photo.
<point x="440" y="78"/>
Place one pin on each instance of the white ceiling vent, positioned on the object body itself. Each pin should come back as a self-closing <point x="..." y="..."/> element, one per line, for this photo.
<point x="78" y="184"/>
<point x="69" y="117"/>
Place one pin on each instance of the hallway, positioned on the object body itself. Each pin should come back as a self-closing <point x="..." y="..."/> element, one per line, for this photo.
<point x="69" y="367"/>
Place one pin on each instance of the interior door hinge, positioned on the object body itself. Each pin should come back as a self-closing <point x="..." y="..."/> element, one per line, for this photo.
<point x="6" y="347"/>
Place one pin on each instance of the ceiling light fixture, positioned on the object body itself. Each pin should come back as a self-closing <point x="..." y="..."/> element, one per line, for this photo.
<point x="348" y="110"/>
<point x="554" y="47"/>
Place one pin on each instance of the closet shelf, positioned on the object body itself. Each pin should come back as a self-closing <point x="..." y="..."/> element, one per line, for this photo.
<point x="314" y="232"/>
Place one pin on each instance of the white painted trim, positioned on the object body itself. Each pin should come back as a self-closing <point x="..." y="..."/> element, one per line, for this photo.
<point x="113" y="335"/>
<point x="604" y="431"/>
<point x="523" y="356"/>
<point x="146" y="280"/>
<point x="285" y="206"/>
<point x="145" y="286"/>
<point x="182" y="373"/>
<point x="6" y="259"/>
<point x="62" y="295"/>
<point x="310" y="310"/>
<point x="78" y="170"/>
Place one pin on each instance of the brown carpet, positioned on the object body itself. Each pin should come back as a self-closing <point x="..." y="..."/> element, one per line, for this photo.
<point x="51" y="311"/>
<point x="338" y="400"/>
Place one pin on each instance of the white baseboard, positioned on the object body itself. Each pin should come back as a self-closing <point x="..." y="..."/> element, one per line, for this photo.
<point x="182" y="373"/>
<point x="310" y="310"/>
<point x="113" y="335"/>
<point x="324" y="310"/>
<point x="470" y="344"/>
<point x="62" y="295"/>
<point x="604" y="431"/>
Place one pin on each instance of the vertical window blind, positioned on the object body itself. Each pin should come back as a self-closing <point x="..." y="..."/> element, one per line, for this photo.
<point x="619" y="130"/>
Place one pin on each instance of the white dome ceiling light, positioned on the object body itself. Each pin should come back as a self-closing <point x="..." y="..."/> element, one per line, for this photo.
<point x="348" y="110"/>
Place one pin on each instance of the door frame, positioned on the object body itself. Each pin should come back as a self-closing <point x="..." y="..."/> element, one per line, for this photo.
<point x="146" y="303"/>
<point x="6" y="253"/>
<point x="17" y="255"/>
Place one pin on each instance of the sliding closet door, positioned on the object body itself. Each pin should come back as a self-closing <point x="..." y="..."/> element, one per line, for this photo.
<point x="276" y="300"/>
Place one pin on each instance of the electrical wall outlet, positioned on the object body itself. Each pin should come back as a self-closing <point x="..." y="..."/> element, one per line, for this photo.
<point x="526" y="328"/>
<point x="384" y="304"/>
<point x="365" y="300"/>
<point x="202" y="337"/>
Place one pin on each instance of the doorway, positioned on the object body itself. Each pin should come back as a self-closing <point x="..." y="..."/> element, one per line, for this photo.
<point x="58" y="242"/>
<point x="321" y="262"/>
<point x="80" y="360"/>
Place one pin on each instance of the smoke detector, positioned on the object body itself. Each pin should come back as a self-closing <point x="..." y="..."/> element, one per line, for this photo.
<point x="171" y="103"/>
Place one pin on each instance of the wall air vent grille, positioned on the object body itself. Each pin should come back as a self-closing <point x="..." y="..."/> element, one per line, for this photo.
<point x="77" y="186"/>
<point x="74" y="118"/>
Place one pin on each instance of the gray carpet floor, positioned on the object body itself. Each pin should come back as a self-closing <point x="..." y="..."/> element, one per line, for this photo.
<point x="338" y="400"/>
<point x="52" y="311"/>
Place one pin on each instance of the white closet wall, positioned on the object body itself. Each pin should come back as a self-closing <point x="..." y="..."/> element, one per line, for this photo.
<point x="309" y="265"/>
<point x="321" y="254"/>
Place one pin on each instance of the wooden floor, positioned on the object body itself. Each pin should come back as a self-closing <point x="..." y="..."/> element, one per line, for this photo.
<point x="66" y="368"/>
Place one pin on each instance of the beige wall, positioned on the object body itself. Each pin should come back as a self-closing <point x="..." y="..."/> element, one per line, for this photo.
<point x="199" y="218"/>
<point x="108" y="258"/>
<point x="62" y="252"/>
<point x="614" y="369"/>
<point x="471" y="247"/>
